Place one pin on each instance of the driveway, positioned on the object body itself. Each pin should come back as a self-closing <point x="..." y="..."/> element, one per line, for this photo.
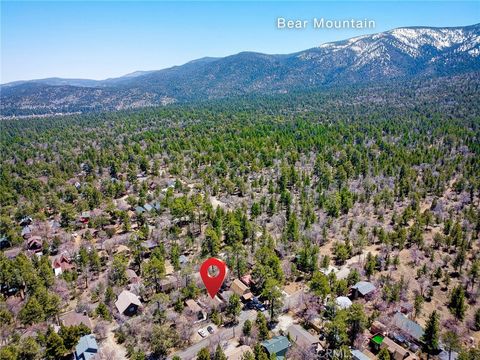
<point x="223" y="334"/>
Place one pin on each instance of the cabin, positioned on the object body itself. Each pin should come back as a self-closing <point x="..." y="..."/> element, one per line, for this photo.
<point x="4" y="242"/>
<point x="85" y="217"/>
<point x="277" y="346"/>
<point x="139" y="210"/>
<point x="195" y="309"/>
<point x="25" y="221"/>
<point x="408" y="327"/>
<point x="132" y="276"/>
<point x="87" y="348"/>
<point x="35" y="244"/>
<point x="302" y="337"/>
<point x="242" y="290"/>
<point x="62" y="263"/>
<point x="363" y="289"/>
<point x="12" y="253"/>
<point x="168" y="284"/>
<point x="358" y="355"/>
<point x="128" y="303"/>
<point x="26" y="232"/>
<point x="73" y="318"/>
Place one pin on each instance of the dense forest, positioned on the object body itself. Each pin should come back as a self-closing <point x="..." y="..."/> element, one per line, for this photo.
<point x="384" y="184"/>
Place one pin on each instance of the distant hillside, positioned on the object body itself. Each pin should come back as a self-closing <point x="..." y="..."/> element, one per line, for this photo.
<point x="396" y="55"/>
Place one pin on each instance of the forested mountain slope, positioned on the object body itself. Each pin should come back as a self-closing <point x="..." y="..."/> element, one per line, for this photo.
<point x="396" y="55"/>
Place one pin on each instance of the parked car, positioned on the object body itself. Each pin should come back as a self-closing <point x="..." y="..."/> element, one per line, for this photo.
<point x="255" y="304"/>
<point x="210" y="329"/>
<point x="202" y="332"/>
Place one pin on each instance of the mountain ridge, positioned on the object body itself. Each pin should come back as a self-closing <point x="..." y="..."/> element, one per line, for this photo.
<point x="397" y="54"/>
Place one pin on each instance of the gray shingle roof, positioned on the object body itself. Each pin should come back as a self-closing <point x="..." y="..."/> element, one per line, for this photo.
<point x="301" y="336"/>
<point x="408" y="326"/>
<point x="86" y="348"/>
<point x="358" y="355"/>
<point x="364" y="287"/>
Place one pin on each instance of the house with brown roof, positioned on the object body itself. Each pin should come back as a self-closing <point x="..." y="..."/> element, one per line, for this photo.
<point x="73" y="318"/>
<point x="62" y="263"/>
<point x="168" y="284"/>
<point x="127" y="303"/>
<point x="195" y="309"/>
<point x="396" y="351"/>
<point x="132" y="276"/>
<point x="242" y="290"/>
<point x="302" y="337"/>
<point x="35" y="244"/>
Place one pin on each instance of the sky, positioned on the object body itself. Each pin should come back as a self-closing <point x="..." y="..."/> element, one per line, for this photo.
<point x="102" y="39"/>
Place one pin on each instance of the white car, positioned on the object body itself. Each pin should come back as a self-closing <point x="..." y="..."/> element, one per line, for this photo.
<point x="202" y="332"/>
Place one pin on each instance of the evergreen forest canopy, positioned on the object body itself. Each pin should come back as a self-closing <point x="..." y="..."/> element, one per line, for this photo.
<point x="306" y="180"/>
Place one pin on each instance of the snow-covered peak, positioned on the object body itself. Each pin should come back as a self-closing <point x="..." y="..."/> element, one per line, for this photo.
<point x="411" y="41"/>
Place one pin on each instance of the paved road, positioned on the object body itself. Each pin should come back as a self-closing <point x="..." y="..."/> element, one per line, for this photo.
<point x="223" y="335"/>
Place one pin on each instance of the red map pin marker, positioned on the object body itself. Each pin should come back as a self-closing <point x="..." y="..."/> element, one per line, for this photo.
<point x="213" y="283"/>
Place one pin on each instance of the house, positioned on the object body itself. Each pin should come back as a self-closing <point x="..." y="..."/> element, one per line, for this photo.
<point x="85" y="217"/>
<point x="132" y="276"/>
<point x="408" y="327"/>
<point x="237" y="353"/>
<point x="26" y="232"/>
<point x="358" y="355"/>
<point x="195" y="309"/>
<point x="239" y="288"/>
<point x="127" y="303"/>
<point x="343" y="302"/>
<point x="62" y="263"/>
<point x="148" y="207"/>
<point x="122" y="249"/>
<point x="168" y="284"/>
<point x="444" y="355"/>
<point x="54" y="225"/>
<point x="182" y="259"/>
<point x="25" y="221"/>
<point x="302" y="337"/>
<point x="363" y="289"/>
<point x="378" y="328"/>
<point x="139" y="210"/>
<point x="247" y="280"/>
<point x="73" y="318"/>
<point x="4" y="242"/>
<point x="35" y="244"/>
<point x="12" y="253"/>
<point x="86" y="348"/>
<point x="278" y="345"/>
<point x="396" y="351"/>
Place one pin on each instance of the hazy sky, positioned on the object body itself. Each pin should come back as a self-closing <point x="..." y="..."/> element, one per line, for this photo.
<point x="101" y="39"/>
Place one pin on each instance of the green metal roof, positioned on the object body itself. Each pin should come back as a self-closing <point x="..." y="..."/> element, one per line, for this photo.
<point x="377" y="339"/>
<point x="276" y="344"/>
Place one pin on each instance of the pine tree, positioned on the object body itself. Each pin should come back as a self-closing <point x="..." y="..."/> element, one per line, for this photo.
<point x="234" y="307"/>
<point x="262" y="327"/>
<point x="54" y="348"/>
<point x="457" y="304"/>
<point x="203" y="354"/>
<point x="452" y="342"/>
<point x="431" y="336"/>
<point x="31" y="312"/>
<point x="219" y="354"/>
<point x="356" y="321"/>
<point x="476" y="320"/>
<point x="383" y="354"/>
